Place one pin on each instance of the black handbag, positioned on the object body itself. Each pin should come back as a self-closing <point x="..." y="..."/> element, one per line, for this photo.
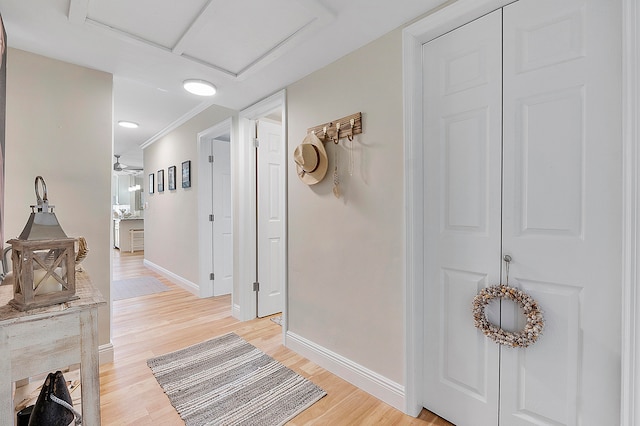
<point x="54" y="406"/>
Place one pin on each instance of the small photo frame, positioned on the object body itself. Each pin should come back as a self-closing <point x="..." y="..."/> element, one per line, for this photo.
<point x="161" y="180"/>
<point x="151" y="183"/>
<point x="171" y="176"/>
<point x="186" y="174"/>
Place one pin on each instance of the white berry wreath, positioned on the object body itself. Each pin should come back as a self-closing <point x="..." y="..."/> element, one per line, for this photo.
<point x="524" y="338"/>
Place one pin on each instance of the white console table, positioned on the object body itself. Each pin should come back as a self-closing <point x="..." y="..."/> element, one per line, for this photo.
<point x="47" y="339"/>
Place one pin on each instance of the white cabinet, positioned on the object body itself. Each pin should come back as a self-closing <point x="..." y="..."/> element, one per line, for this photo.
<point x="122" y="236"/>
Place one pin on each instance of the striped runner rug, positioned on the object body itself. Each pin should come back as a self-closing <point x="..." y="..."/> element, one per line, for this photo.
<point x="228" y="381"/>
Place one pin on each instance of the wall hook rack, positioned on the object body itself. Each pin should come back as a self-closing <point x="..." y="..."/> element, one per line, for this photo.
<point x="345" y="127"/>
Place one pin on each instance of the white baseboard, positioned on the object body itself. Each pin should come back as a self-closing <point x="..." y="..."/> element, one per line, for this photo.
<point x="105" y="353"/>
<point x="369" y="381"/>
<point x="176" y="279"/>
<point x="235" y="311"/>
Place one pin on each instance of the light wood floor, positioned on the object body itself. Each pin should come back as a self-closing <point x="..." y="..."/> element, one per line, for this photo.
<point x="148" y="326"/>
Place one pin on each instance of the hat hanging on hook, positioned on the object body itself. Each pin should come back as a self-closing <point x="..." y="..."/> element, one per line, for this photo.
<point x="311" y="160"/>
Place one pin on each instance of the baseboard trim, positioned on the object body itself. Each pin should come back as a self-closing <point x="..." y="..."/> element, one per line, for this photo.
<point x="369" y="381"/>
<point x="176" y="279"/>
<point x="235" y="311"/>
<point x="105" y="353"/>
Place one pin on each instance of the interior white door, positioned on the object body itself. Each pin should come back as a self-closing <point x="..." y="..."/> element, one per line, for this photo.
<point x="271" y="224"/>
<point x="462" y="161"/>
<point x="562" y="208"/>
<point x="222" y="224"/>
<point x="560" y="219"/>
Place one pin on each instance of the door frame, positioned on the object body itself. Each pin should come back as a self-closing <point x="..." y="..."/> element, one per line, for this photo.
<point x="205" y="195"/>
<point x="434" y="25"/>
<point x="244" y="304"/>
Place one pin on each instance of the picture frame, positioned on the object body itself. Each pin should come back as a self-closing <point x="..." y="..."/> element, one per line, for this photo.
<point x="161" y="180"/>
<point x="151" y="183"/>
<point x="171" y="177"/>
<point x="186" y="174"/>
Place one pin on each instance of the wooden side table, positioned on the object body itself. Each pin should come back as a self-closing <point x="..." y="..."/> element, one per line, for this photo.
<point x="48" y="339"/>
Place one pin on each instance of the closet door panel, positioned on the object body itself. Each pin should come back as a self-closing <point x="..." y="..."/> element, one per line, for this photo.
<point x="562" y="208"/>
<point x="549" y="165"/>
<point x="462" y="81"/>
<point x="546" y="392"/>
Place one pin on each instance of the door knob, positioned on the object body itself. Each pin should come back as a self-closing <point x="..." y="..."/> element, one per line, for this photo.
<point x="507" y="260"/>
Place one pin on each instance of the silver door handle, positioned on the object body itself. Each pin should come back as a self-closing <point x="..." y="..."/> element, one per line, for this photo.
<point x="507" y="260"/>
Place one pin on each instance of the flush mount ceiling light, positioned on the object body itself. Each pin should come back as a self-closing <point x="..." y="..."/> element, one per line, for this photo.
<point x="199" y="87"/>
<point x="128" y="124"/>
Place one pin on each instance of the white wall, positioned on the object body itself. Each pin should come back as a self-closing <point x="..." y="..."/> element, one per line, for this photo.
<point x="171" y="217"/>
<point x="346" y="255"/>
<point x="59" y="126"/>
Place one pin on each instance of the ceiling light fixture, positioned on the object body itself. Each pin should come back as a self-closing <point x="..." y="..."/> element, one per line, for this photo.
<point x="128" y="124"/>
<point x="199" y="87"/>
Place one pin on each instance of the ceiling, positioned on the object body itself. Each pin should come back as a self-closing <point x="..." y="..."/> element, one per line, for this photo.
<point x="249" y="49"/>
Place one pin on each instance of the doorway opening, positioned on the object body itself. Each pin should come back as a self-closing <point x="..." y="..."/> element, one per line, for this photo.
<point x="261" y="201"/>
<point x="215" y="236"/>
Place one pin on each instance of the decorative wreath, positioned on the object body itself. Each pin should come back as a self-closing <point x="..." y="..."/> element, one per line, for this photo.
<point x="524" y="338"/>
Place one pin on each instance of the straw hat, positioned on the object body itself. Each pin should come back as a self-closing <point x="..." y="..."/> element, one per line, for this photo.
<point x="311" y="160"/>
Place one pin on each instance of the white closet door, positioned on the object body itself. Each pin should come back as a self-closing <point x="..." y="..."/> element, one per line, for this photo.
<point x="223" y="221"/>
<point x="562" y="208"/>
<point x="462" y="169"/>
<point x="271" y="223"/>
<point x="560" y="218"/>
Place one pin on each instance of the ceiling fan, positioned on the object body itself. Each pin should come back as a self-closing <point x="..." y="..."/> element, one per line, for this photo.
<point x="119" y="167"/>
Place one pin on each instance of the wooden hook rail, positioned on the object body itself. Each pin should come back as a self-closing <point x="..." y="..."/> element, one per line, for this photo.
<point x="345" y="127"/>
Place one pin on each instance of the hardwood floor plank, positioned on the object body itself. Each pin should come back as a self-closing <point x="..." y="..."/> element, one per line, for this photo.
<point x="148" y="326"/>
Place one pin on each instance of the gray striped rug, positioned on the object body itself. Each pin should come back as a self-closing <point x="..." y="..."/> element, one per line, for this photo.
<point x="227" y="381"/>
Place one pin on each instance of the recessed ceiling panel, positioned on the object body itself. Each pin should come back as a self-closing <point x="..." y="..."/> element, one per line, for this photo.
<point x="154" y="43"/>
<point x="159" y="22"/>
<point x="239" y="33"/>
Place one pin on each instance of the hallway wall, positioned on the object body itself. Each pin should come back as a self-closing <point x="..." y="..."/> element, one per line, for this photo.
<point x="171" y="217"/>
<point x="59" y="126"/>
<point x="346" y="255"/>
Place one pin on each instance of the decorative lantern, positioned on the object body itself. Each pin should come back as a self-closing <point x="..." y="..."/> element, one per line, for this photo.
<point x="43" y="259"/>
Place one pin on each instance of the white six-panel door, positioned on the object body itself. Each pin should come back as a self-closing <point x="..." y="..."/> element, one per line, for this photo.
<point x="562" y="208"/>
<point x="462" y="161"/>
<point x="559" y="219"/>
<point x="222" y="224"/>
<point x="271" y="224"/>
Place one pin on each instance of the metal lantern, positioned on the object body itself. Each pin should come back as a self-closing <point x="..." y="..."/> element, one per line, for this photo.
<point x="43" y="259"/>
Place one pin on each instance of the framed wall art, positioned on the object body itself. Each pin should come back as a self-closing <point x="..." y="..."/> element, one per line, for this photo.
<point x="171" y="177"/>
<point x="161" y="180"/>
<point x="186" y="174"/>
<point x="151" y="183"/>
